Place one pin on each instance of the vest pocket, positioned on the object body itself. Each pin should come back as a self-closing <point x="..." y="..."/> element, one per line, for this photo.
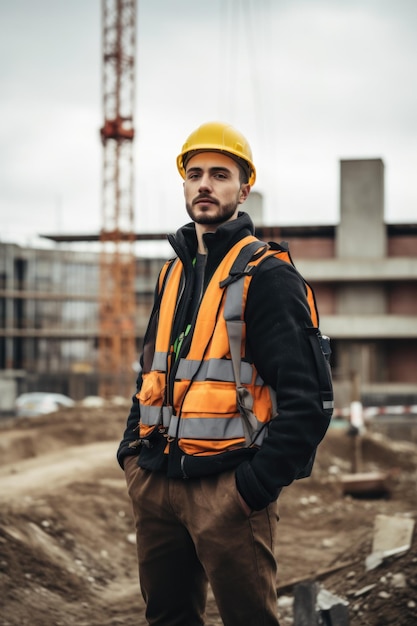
<point x="153" y="388"/>
<point x="210" y="399"/>
<point x="210" y="422"/>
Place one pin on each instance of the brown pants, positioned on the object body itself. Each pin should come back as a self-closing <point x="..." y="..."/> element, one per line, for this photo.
<point x="191" y="532"/>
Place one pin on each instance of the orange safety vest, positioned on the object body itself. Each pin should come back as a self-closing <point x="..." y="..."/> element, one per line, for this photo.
<point x="205" y="415"/>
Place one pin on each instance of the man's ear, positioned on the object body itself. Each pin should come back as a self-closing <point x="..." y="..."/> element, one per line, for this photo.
<point x="244" y="192"/>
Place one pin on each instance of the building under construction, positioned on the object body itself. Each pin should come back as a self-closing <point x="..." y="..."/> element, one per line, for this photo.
<point x="364" y="273"/>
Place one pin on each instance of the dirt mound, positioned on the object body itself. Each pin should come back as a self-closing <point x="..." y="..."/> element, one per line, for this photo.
<point x="67" y="552"/>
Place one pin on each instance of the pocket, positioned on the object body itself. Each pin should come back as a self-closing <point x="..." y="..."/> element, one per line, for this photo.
<point x="217" y="398"/>
<point x="231" y="487"/>
<point x="245" y="508"/>
<point x="130" y="469"/>
<point x="152" y="389"/>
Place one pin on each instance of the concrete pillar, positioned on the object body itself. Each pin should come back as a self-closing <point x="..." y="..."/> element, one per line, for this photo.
<point x="361" y="232"/>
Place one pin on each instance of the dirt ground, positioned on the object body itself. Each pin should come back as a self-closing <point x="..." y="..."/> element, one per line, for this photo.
<point x="67" y="552"/>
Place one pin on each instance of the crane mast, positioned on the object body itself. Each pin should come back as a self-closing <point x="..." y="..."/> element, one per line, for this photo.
<point x="116" y="345"/>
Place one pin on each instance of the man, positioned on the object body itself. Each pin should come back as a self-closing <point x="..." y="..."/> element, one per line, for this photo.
<point x="204" y="472"/>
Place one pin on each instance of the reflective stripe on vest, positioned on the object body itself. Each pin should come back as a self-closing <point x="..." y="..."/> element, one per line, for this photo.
<point x="215" y="369"/>
<point x="207" y="428"/>
<point x="155" y="415"/>
<point x="159" y="361"/>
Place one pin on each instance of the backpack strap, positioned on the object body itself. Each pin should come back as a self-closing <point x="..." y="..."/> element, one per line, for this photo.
<point x="243" y="396"/>
<point x="241" y="268"/>
<point x="234" y="284"/>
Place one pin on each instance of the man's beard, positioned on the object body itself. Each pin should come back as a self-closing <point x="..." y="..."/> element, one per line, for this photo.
<point x="224" y="213"/>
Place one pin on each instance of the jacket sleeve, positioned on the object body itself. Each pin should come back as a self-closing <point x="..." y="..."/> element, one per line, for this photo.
<point x="281" y="341"/>
<point x="131" y="433"/>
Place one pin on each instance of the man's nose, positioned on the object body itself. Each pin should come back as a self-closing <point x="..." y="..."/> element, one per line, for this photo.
<point x="205" y="183"/>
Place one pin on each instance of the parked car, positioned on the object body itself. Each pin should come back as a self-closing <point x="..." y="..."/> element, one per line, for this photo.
<point x="40" y="403"/>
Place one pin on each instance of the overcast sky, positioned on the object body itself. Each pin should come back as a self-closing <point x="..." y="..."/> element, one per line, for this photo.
<point x="309" y="82"/>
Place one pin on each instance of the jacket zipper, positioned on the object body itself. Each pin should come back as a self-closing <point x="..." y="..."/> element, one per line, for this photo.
<point x="188" y="334"/>
<point x="179" y="313"/>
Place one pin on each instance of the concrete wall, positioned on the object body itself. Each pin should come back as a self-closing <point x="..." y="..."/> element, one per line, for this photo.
<point x="402" y="299"/>
<point x="314" y="248"/>
<point x="404" y="246"/>
<point x="401" y="361"/>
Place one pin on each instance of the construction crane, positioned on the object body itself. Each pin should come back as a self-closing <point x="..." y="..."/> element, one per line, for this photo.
<point x="116" y="345"/>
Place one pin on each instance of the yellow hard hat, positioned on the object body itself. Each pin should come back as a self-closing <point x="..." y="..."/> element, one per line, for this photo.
<point x="218" y="137"/>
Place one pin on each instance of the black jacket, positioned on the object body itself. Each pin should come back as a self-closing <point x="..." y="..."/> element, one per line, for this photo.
<point x="287" y="353"/>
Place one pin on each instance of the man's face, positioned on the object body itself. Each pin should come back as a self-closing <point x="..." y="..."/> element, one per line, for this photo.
<point x="212" y="188"/>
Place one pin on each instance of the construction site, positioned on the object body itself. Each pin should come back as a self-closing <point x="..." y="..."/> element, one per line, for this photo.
<point x="73" y="322"/>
